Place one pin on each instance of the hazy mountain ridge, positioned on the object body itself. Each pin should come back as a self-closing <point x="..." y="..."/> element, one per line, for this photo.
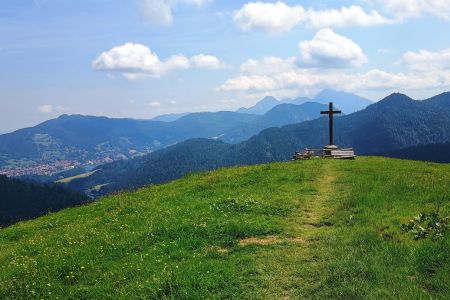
<point x="79" y="139"/>
<point x="394" y="123"/>
<point x="261" y="107"/>
<point x="169" y="117"/>
<point x="83" y="138"/>
<point x="278" y="116"/>
<point x="347" y="102"/>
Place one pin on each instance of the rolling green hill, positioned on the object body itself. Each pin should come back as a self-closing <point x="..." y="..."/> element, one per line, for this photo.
<point x="316" y="229"/>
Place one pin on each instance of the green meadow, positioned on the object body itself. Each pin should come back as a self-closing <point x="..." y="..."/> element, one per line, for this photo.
<point x="316" y="229"/>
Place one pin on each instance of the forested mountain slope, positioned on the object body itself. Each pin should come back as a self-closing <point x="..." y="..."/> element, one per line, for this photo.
<point x="393" y="123"/>
<point x="278" y="116"/>
<point x="84" y="138"/>
<point x="21" y="200"/>
<point x="439" y="153"/>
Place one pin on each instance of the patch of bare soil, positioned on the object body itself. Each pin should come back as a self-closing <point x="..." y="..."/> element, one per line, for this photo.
<point x="269" y="240"/>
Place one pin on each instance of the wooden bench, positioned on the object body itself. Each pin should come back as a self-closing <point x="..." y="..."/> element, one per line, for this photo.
<point x="343" y="154"/>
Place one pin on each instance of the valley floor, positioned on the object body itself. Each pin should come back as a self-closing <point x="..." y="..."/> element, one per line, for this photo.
<point x="316" y="229"/>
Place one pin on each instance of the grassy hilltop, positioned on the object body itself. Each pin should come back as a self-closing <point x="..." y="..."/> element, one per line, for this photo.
<point x="314" y="229"/>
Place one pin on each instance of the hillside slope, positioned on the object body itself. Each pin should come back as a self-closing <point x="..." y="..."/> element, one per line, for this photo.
<point x="347" y="102"/>
<point x="394" y="123"/>
<point x="280" y="115"/>
<point x="433" y="152"/>
<point x="261" y="107"/>
<point x="83" y="138"/>
<point x="22" y="200"/>
<point x="315" y="229"/>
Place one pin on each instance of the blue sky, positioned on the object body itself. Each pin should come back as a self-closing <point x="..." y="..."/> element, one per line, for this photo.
<point x="141" y="58"/>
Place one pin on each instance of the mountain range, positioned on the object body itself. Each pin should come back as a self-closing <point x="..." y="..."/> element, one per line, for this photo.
<point x="393" y="123"/>
<point x="347" y="102"/>
<point x="99" y="139"/>
<point x="169" y="117"/>
<point x="280" y="115"/>
<point x="85" y="138"/>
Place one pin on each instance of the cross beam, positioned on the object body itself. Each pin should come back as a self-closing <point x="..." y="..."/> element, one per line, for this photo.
<point x="330" y="112"/>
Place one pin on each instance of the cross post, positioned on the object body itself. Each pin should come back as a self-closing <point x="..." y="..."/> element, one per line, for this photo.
<point x="330" y="112"/>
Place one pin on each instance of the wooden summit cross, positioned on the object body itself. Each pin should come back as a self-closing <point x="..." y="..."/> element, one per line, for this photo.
<point x="330" y="112"/>
<point x="331" y="150"/>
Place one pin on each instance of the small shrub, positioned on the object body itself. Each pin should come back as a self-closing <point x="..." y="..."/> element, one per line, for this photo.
<point x="427" y="225"/>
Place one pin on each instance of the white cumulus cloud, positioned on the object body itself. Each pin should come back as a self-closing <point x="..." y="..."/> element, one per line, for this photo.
<point x="279" y="17"/>
<point x="326" y="51"/>
<point x="345" y="17"/>
<point x="46" y="108"/>
<point x="253" y="82"/>
<point x="402" y="9"/>
<point x="273" y="17"/>
<point x="330" y="50"/>
<point x="297" y="81"/>
<point x="154" y="104"/>
<point x="423" y="71"/>
<point x="136" y="60"/>
<point x="427" y="60"/>
<point x="130" y="58"/>
<point x="159" y="12"/>
<point x="207" y="62"/>
<point x="268" y="65"/>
